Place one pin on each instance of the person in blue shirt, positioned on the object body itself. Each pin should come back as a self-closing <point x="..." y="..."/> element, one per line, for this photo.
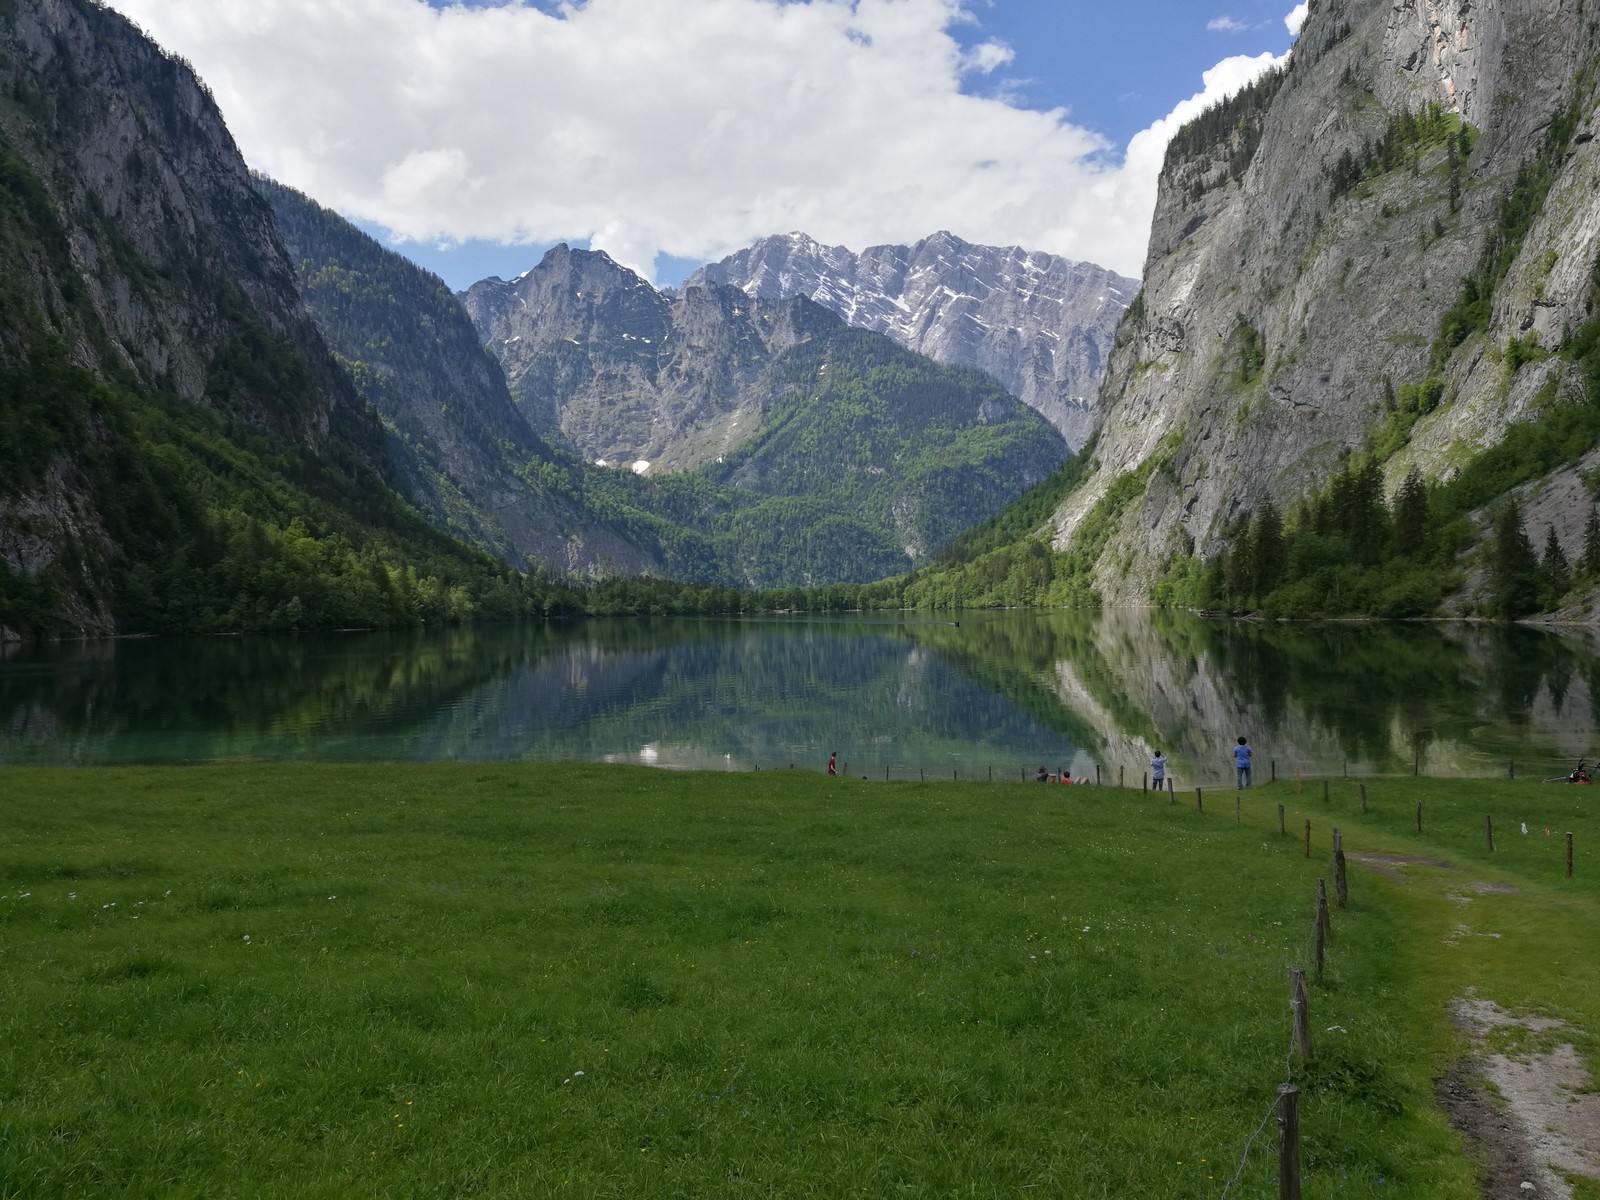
<point x="1241" y="764"/>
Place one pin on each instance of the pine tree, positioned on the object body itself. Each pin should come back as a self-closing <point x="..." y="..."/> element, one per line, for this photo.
<point x="1556" y="570"/>
<point x="1269" y="551"/>
<point x="1241" y="576"/>
<point x="1411" y="515"/>
<point x="1514" y="571"/>
<point x="1589" y="561"/>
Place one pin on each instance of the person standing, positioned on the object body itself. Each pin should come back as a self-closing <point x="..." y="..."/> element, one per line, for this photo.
<point x="833" y="763"/>
<point x="1241" y="764"/>
<point x="1158" y="771"/>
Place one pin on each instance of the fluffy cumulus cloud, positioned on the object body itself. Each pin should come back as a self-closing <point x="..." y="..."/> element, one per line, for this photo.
<point x="1297" y="17"/>
<point x="685" y="127"/>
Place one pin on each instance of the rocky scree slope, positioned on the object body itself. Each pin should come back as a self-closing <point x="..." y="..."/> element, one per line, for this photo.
<point x="1294" y="286"/>
<point x="469" y="457"/>
<point x="1040" y="324"/>
<point x="167" y="409"/>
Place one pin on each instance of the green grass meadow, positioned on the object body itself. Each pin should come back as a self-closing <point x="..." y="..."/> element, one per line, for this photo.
<point x="564" y="980"/>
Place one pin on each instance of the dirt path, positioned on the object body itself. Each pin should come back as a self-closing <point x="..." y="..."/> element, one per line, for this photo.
<point x="1522" y="1099"/>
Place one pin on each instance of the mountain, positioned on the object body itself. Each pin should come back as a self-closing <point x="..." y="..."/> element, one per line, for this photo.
<point x="1040" y="324"/>
<point x="806" y="451"/>
<point x="467" y="454"/>
<point x="621" y="372"/>
<point x="1368" y="323"/>
<point x="178" y="449"/>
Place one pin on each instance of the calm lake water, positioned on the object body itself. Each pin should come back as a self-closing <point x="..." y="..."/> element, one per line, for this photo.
<point x="974" y="693"/>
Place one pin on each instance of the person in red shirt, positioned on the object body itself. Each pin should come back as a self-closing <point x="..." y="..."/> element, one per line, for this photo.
<point x="832" y="763"/>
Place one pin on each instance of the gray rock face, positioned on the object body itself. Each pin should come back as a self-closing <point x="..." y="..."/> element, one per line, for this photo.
<point x="627" y="374"/>
<point x="1040" y="324"/>
<point x="1345" y="290"/>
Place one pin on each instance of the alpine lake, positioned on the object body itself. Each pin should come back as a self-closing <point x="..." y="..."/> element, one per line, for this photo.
<point x="967" y="695"/>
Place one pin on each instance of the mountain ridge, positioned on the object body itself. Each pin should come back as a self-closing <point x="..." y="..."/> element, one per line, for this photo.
<point x="1040" y="324"/>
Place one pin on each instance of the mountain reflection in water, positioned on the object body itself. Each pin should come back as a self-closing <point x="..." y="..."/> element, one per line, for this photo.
<point x="907" y="692"/>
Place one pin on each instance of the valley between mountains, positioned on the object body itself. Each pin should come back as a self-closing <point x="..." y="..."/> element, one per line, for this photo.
<point x="1360" y="376"/>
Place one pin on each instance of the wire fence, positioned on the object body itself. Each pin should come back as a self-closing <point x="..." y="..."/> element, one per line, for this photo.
<point x="1185" y="776"/>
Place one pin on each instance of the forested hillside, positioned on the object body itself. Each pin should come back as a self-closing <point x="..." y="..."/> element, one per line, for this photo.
<point x="178" y="451"/>
<point x="467" y="455"/>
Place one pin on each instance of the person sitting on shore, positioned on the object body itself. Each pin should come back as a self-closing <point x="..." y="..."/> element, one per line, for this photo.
<point x="1043" y="776"/>
<point x="1066" y="775"/>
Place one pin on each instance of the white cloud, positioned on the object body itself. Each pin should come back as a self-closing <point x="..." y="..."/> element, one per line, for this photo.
<point x="1297" y="17"/>
<point x="689" y="127"/>
<point x="1225" y="25"/>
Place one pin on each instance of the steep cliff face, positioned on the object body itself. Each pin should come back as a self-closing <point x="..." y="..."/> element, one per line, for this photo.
<point x="1040" y="324"/>
<point x="467" y="454"/>
<point x="1310" y="240"/>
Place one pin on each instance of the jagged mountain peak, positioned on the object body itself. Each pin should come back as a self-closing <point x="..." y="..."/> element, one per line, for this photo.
<point x="1040" y="324"/>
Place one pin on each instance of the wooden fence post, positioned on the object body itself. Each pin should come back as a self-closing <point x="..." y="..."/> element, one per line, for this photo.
<point x="1488" y="833"/>
<point x="1273" y="763"/>
<point x="1324" y="918"/>
<point x="1569" y="856"/>
<point x="1280" y="820"/>
<point x="1097" y="774"/>
<point x="1146" y="778"/>
<point x="1122" y="776"/>
<point x="1301" y="1008"/>
<point x="1419" y="816"/>
<point x="1320" y="930"/>
<point x="1341" y="885"/>
<point x="1363" y="797"/>
<point x="1199" y="804"/>
<point x="1308" y="837"/>
<point x="1238" y="810"/>
<point x="1288" y="1142"/>
<point x="1172" y="791"/>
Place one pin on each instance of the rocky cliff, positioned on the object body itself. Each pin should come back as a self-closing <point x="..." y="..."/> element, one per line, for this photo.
<point x="627" y="374"/>
<point x="1040" y="324"/>
<point x="1384" y="249"/>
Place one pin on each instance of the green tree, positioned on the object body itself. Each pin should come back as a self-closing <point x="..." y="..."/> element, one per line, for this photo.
<point x="1555" y="568"/>
<point x="1268" y="550"/>
<point x="1514" y="571"/>
<point x="1589" y="560"/>
<point x="1411" y="515"/>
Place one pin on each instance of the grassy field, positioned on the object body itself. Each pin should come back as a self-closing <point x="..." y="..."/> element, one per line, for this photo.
<point x="416" y="981"/>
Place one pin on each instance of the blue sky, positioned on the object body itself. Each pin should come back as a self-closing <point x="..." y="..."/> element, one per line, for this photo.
<point x="672" y="132"/>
